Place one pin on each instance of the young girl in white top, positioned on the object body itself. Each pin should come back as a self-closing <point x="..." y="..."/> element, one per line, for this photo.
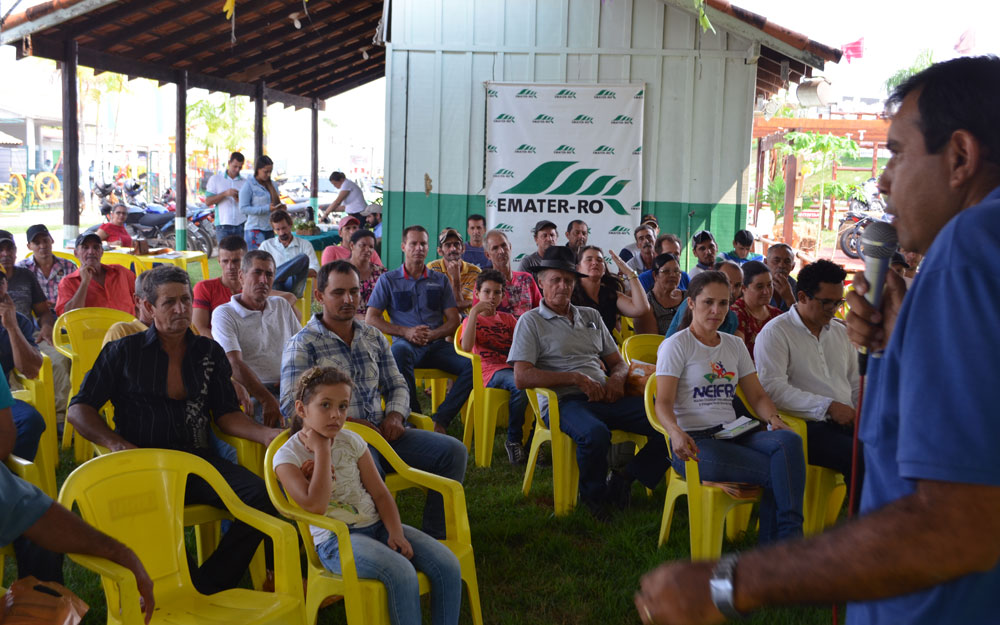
<point x="697" y="372"/>
<point x="329" y="471"/>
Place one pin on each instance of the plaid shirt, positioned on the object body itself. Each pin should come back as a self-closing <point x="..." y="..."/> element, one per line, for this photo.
<point x="367" y="360"/>
<point x="50" y="286"/>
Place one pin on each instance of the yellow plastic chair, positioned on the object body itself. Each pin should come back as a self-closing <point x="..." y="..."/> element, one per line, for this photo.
<point x="40" y="394"/>
<point x="825" y="490"/>
<point x="130" y="262"/>
<point x="304" y="304"/>
<point x="641" y="347"/>
<point x="565" y="471"/>
<point x="488" y="408"/>
<point x="78" y="335"/>
<point x="137" y="496"/>
<point x="710" y="509"/>
<point x="67" y="255"/>
<point x="364" y="599"/>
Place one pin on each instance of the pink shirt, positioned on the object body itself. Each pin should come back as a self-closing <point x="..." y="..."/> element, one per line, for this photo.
<point x="519" y="296"/>
<point x="493" y="339"/>
<point x="339" y="252"/>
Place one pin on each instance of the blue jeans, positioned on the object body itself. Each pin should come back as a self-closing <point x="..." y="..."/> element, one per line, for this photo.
<point x="255" y="237"/>
<point x="439" y="354"/>
<point x="291" y="276"/>
<point x="504" y="378"/>
<point x="29" y="424"/>
<point x="435" y="453"/>
<point x="589" y="424"/>
<point x="375" y="560"/>
<point x="773" y="460"/>
<point x="221" y="232"/>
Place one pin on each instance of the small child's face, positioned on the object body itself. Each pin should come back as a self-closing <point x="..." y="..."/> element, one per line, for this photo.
<point x="326" y="411"/>
<point x="491" y="292"/>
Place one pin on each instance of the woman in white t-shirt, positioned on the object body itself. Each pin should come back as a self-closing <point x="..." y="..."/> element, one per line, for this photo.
<point x="331" y="472"/>
<point x="697" y="372"/>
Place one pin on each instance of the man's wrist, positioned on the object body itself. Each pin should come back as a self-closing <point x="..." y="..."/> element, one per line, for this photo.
<point x="722" y="586"/>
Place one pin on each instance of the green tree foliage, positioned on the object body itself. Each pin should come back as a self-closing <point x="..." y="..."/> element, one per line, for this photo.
<point x="218" y="123"/>
<point x="924" y="60"/>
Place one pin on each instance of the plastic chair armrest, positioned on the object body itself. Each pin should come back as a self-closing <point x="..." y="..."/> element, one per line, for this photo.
<point x="420" y="421"/>
<point x="249" y="454"/>
<point x="553" y="405"/>
<point x="348" y="568"/>
<point x="27" y="471"/>
<point x="122" y="577"/>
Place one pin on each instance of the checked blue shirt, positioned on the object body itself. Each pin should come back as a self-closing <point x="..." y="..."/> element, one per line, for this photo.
<point x="367" y="360"/>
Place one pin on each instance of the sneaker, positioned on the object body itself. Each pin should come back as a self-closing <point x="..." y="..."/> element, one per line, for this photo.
<point x="619" y="490"/>
<point x="515" y="452"/>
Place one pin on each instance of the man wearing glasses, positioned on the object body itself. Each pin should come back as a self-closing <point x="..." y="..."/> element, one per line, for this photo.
<point x="809" y="368"/>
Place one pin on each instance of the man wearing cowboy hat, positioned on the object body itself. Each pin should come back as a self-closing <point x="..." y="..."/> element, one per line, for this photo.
<point x="562" y="347"/>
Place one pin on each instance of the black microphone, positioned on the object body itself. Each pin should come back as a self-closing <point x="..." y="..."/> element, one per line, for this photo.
<point x="878" y="244"/>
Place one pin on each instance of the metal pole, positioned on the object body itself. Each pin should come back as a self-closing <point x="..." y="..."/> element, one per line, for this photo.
<point x="71" y="145"/>
<point x="180" y="217"/>
<point x="314" y="160"/>
<point x="258" y="120"/>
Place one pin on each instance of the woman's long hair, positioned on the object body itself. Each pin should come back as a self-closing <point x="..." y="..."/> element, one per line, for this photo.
<point x="696" y="286"/>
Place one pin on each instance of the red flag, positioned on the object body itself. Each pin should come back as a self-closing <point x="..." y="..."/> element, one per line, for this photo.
<point x="967" y="42"/>
<point x="853" y="50"/>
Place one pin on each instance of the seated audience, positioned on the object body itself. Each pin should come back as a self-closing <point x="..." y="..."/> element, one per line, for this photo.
<point x="488" y="332"/>
<point x="570" y="350"/>
<point x="47" y="268"/>
<point x="577" y="232"/>
<point x="252" y="329"/>
<point x="461" y="275"/>
<point x="742" y="248"/>
<point x="912" y="259"/>
<point x="127" y="328"/>
<point x="731" y="324"/>
<point x="546" y="234"/>
<point x="899" y="265"/>
<point x="294" y="256"/>
<point x="632" y="249"/>
<point x="809" y="368"/>
<point x="520" y="293"/>
<point x="422" y="316"/>
<point x="168" y="386"/>
<point x="597" y="289"/>
<point x="336" y="338"/>
<point x="666" y="243"/>
<point x="666" y="296"/>
<point x="212" y="293"/>
<point x="643" y="259"/>
<point x="24" y="289"/>
<point x="781" y="260"/>
<point x="373" y="222"/>
<point x="752" y="310"/>
<point x="18" y="351"/>
<point x="96" y="284"/>
<point x="704" y="247"/>
<point x="114" y="231"/>
<point x="697" y="373"/>
<point x="362" y="251"/>
<point x="475" y="227"/>
<point x="348" y="225"/>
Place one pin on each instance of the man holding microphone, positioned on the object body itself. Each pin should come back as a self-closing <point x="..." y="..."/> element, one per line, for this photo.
<point x="925" y="547"/>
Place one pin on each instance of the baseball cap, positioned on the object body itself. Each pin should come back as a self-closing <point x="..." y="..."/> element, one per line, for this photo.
<point x="449" y="233"/>
<point x="6" y="236"/>
<point x="37" y="229"/>
<point x="650" y="219"/>
<point x="347" y="219"/>
<point x="701" y="236"/>
<point x="544" y="224"/>
<point x="80" y="240"/>
<point x="372" y="209"/>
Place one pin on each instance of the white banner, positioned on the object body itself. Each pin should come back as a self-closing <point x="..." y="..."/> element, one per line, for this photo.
<point x="564" y="152"/>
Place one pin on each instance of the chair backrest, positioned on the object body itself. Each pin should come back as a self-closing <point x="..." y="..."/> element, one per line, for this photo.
<point x="476" y="359"/>
<point x="130" y="262"/>
<point x="85" y="329"/>
<point x="66" y="255"/>
<point x="40" y="393"/>
<point x="641" y="347"/>
<point x="284" y="504"/>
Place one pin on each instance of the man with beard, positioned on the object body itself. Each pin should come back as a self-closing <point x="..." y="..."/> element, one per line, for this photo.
<point x="545" y="234"/>
<point x="461" y="275"/>
<point x="295" y="257"/>
<point x="96" y="284"/>
<point x="576" y="235"/>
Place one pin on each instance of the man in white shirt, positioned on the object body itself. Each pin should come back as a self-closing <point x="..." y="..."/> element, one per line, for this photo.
<point x="253" y="329"/>
<point x="809" y="368"/>
<point x="295" y="257"/>
<point x="224" y="192"/>
<point x="350" y="199"/>
<point x="643" y="259"/>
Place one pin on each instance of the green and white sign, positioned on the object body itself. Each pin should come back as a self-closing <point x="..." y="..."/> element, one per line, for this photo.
<point x="564" y="152"/>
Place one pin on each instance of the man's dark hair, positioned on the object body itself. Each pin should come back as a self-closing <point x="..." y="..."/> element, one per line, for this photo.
<point x="960" y="94"/>
<point x="247" y="263"/>
<point x="569" y="226"/>
<point x="743" y="237"/>
<point x="237" y="156"/>
<point x="233" y="243"/>
<point x="337" y="176"/>
<point x="361" y="233"/>
<point x="158" y="276"/>
<point x="335" y="266"/>
<point x="700" y="237"/>
<point x="813" y="274"/>
<point x="281" y="215"/>
<point x="415" y="228"/>
<point x="475" y="217"/>
<point x="490" y="275"/>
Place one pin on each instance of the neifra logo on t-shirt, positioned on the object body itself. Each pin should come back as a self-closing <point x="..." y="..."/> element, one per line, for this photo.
<point x="715" y="390"/>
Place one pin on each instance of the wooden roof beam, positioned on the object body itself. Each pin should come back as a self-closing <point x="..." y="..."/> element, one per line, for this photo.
<point x="363" y="79"/>
<point x="128" y="32"/>
<point x="295" y="73"/>
<point x="307" y="82"/>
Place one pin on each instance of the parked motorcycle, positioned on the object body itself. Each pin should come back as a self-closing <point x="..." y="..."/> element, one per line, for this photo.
<point x="863" y="210"/>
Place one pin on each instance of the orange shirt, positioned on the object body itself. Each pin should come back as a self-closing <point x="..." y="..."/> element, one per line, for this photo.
<point x="116" y="292"/>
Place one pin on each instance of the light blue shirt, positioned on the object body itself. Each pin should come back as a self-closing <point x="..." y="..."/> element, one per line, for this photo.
<point x="255" y="203"/>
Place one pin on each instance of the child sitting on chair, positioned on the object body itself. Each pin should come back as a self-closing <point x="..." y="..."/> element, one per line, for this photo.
<point x="330" y="472"/>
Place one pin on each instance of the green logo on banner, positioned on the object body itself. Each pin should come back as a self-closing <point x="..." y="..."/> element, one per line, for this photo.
<point x="623" y="230"/>
<point x="637" y="206"/>
<point x="639" y="95"/>
<point x="526" y="93"/>
<point x="580" y="182"/>
<point x="638" y="150"/>
<point x="566" y="94"/>
<point x="520" y="256"/>
<point x="603" y="149"/>
<point x="505" y="228"/>
<point x="565" y="149"/>
<point x="492" y="149"/>
<point x="544" y="119"/>
<point x="583" y="119"/>
<point x="491" y="203"/>
<point x="524" y="148"/>
<point x="504" y="118"/>
<point x="604" y="94"/>
<point x="622" y="119"/>
<point x="492" y="93"/>
<point x="503" y="173"/>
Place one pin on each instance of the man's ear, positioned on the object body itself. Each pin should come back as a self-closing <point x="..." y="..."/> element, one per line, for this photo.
<point x="964" y="155"/>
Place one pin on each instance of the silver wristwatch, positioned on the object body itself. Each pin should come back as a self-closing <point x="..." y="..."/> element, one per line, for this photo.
<point x="721" y="586"/>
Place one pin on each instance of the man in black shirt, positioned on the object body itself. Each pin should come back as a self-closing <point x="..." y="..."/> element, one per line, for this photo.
<point x="167" y="386"/>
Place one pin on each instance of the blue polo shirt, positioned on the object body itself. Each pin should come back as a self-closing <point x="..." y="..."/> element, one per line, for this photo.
<point x="930" y="410"/>
<point x="413" y="301"/>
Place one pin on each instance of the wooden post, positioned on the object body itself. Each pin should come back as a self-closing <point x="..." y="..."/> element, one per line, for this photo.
<point x="180" y="147"/>
<point x="258" y="120"/>
<point x="875" y="159"/>
<point x="314" y="159"/>
<point x="71" y="145"/>
<point x="791" y="171"/>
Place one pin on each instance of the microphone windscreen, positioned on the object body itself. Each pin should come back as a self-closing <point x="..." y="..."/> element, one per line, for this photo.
<point x="878" y="240"/>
